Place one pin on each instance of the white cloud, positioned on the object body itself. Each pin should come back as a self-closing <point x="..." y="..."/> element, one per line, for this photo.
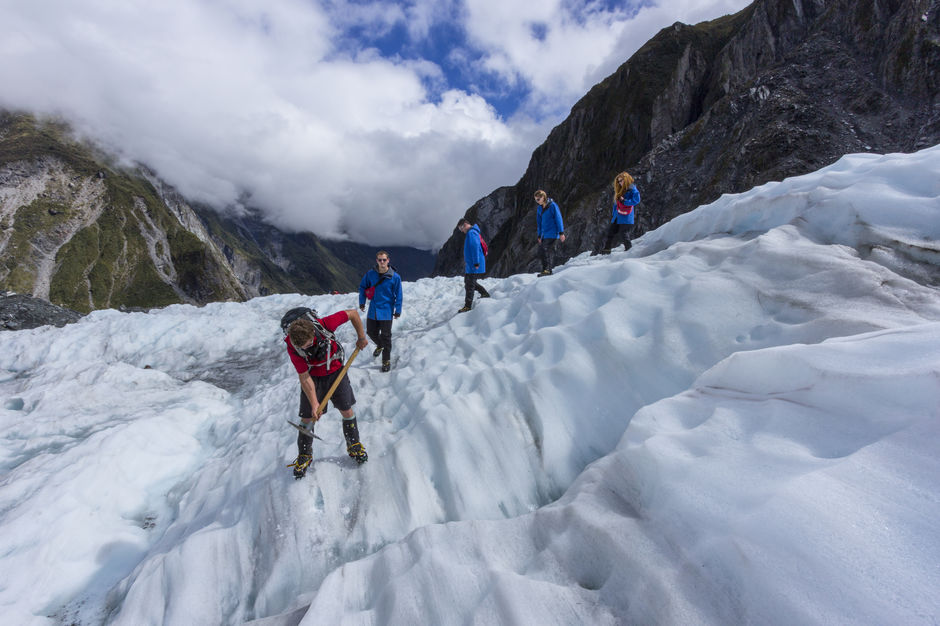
<point x="561" y="49"/>
<point x="232" y="98"/>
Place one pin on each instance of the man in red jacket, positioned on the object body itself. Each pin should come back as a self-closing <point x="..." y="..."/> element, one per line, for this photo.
<point x="318" y="361"/>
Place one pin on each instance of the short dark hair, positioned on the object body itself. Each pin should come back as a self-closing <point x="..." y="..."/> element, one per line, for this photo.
<point x="462" y="221"/>
<point x="301" y="332"/>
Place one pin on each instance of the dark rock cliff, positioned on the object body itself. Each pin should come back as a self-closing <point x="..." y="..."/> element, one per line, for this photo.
<point x="19" y="312"/>
<point x="779" y="89"/>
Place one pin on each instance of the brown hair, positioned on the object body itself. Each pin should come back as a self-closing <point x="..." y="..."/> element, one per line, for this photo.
<point x="301" y="332"/>
<point x="381" y="252"/>
<point x="462" y="221"/>
<point x="620" y="189"/>
<point x="540" y="194"/>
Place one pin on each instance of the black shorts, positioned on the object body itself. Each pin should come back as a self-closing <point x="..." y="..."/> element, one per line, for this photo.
<point x="343" y="398"/>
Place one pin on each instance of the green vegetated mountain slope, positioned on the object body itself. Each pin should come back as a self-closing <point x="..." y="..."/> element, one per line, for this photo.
<point x="779" y="89"/>
<point x="84" y="233"/>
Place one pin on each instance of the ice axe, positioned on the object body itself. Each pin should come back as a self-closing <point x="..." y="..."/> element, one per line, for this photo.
<point x="329" y="394"/>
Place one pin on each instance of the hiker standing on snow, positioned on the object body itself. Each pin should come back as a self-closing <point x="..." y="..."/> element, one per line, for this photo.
<point x="318" y="359"/>
<point x="550" y="229"/>
<point x="474" y="263"/>
<point x="626" y="196"/>
<point x="385" y="286"/>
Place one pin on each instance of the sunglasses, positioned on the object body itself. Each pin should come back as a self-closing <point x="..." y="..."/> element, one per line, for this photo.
<point x="382" y="260"/>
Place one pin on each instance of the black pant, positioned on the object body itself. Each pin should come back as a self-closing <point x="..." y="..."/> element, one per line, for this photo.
<point x="380" y="332"/>
<point x="470" y="285"/>
<point x="624" y="230"/>
<point x="547" y="253"/>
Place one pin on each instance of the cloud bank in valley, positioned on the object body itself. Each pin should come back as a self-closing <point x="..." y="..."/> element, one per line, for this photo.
<point x="377" y="122"/>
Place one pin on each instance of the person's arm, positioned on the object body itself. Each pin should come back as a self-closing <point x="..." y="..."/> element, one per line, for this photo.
<point x="362" y="340"/>
<point x="306" y="384"/>
<point x="363" y="285"/>
<point x="632" y="196"/>
<point x="398" y="300"/>
<point x="561" y="224"/>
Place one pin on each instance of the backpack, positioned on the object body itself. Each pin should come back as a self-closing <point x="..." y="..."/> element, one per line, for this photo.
<point x="486" y="249"/>
<point x="624" y="209"/>
<point x="321" y="352"/>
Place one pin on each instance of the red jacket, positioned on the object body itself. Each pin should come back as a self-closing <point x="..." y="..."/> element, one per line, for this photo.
<point x="331" y="323"/>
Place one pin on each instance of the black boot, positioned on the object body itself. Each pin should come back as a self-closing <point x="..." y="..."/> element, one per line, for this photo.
<point x="353" y="447"/>
<point x="304" y="454"/>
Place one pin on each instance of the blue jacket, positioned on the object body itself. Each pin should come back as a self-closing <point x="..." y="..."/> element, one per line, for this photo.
<point x="548" y="221"/>
<point x="629" y="199"/>
<point x="473" y="252"/>
<point x="386" y="301"/>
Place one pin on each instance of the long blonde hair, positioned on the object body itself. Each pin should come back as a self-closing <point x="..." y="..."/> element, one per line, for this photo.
<point x="622" y="182"/>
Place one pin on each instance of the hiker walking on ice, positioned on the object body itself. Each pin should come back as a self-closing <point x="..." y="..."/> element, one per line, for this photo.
<point x="550" y="230"/>
<point x="474" y="263"/>
<point x="626" y="197"/>
<point x="382" y="286"/>
<point x="318" y="359"/>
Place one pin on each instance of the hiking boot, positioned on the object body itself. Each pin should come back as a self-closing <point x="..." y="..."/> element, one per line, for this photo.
<point x="300" y="465"/>
<point x="545" y="273"/>
<point x="605" y="251"/>
<point x="464" y="310"/>
<point x="377" y="352"/>
<point x="484" y="295"/>
<point x="357" y="452"/>
<point x="386" y="366"/>
<point x="353" y="447"/>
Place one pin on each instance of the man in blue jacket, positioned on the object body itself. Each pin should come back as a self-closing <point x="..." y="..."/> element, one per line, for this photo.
<point x="474" y="263"/>
<point x="385" y="304"/>
<point x="550" y="229"/>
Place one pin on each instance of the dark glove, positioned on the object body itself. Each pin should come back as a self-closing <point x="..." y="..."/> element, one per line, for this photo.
<point x="362" y="307"/>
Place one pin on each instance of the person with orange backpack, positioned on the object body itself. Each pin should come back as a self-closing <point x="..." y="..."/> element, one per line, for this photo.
<point x="474" y="256"/>
<point x="382" y="286"/>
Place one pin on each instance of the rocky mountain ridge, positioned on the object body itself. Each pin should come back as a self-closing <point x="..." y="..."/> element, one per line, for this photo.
<point x="779" y="89"/>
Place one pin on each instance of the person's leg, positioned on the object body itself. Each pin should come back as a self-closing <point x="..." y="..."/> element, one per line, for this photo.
<point x="547" y="252"/>
<point x="344" y="399"/>
<point x="478" y="287"/>
<point x="304" y="442"/>
<point x="373" y="331"/>
<point x="469" y="286"/>
<point x="350" y="429"/>
<point x="543" y="254"/>
<point x="627" y="234"/>
<point x="609" y="239"/>
<point x="385" y="335"/>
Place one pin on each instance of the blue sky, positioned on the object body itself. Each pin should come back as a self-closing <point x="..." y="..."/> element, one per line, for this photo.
<point x="380" y="122"/>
